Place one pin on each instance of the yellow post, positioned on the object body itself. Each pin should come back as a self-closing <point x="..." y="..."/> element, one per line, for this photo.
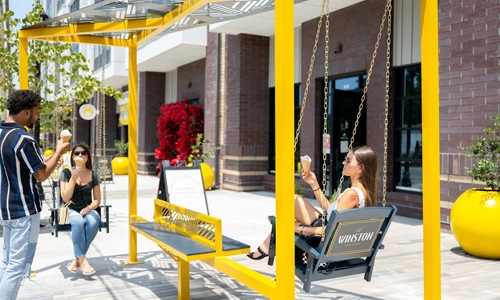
<point x="23" y="63"/>
<point x="183" y="280"/>
<point x="430" y="141"/>
<point x="132" y="146"/>
<point x="285" y="180"/>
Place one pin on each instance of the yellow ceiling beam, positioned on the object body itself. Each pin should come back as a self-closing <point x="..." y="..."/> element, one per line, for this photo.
<point x="173" y="17"/>
<point x="88" y="39"/>
<point x="87" y="29"/>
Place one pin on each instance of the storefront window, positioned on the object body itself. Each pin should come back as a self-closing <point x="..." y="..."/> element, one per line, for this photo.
<point x="408" y="129"/>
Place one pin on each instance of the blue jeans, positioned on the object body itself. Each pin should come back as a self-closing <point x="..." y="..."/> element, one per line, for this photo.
<point x="83" y="230"/>
<point x="20" y="237"/>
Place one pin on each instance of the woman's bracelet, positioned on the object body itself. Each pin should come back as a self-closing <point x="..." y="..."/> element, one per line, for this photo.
<point x="58" y="153"/>
<point x="301" y="230"/>
<point x="316" y="189"/>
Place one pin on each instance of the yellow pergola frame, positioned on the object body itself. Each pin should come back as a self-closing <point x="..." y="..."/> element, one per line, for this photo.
<point x="284" y="286"/>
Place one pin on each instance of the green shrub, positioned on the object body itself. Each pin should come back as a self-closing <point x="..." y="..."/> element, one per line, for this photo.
<point x="121" y="148"/>
<point x="485" y="155"/>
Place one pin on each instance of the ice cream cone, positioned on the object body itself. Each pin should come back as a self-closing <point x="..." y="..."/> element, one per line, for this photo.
<point x="305" y="161"/>
<point x="65" y="136"/>
<point x="79" y="162"/>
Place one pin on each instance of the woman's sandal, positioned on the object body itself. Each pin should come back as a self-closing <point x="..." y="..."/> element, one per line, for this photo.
<point x="87" y="270"/>
<point x="263" y="254"/>
<point x="272" y="242"/>
<point x="73" y="266"/>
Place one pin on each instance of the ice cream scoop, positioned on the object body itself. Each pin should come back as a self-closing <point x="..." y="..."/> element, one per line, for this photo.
<point x="305" y="161"/>
<point x="65" y="135"/>
<point x="79" y="162"/>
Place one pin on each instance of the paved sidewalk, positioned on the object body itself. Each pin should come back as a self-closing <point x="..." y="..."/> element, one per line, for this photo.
<point x="398" y="270"/>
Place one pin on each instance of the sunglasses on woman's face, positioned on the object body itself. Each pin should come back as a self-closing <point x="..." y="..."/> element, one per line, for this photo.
<point x="77" y="153"/>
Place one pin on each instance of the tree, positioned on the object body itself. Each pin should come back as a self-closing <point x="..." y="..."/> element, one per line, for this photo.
<point x="8" y="58"/>
<point x="57" y="71"/>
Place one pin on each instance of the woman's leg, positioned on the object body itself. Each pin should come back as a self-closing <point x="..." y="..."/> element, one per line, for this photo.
<point x="305" y="212"/>
<point x="77" y="233"/>
<point x="91" y="220"/>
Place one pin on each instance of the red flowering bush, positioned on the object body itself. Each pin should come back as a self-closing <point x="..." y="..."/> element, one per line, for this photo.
<point x="178" y="126"/>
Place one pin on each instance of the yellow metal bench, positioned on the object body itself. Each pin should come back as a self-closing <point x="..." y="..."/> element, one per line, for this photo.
<point x="186" y="236"/>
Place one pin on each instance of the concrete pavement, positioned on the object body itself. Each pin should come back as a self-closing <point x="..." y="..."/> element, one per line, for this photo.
<point x="398" y="270"/>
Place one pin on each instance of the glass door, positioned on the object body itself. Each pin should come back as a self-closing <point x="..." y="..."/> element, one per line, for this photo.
<point x="343" y="104"/>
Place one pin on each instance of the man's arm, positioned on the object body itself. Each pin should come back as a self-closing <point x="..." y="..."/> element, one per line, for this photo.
<point x="51" y="163"/>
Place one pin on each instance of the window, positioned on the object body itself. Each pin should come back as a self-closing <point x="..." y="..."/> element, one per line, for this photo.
<point x="408" y="129"/>
<point x="272" y="129"/>
<point x="98" y="59"/>
<point x="75" y="5"/>
<point x="59" y="5"/>
<point x="48" y="9"/>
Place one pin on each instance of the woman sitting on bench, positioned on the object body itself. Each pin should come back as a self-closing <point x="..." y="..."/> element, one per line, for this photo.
<point x="361" y="166"/>
<point x="78" y="184"/>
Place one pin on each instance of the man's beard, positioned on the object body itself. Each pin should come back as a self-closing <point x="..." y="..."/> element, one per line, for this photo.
<point x="37" y="122"/>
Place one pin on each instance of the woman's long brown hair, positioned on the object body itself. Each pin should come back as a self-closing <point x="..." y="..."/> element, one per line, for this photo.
<point x="366" y="157"/>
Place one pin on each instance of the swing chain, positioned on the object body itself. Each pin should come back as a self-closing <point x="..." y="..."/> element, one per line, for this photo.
<point x="387" y="79"/>
<point x="387" y="12"/>
<point x="309" y="74"/>
<point x="325" y="119"/>
<point x="103" y="161"/>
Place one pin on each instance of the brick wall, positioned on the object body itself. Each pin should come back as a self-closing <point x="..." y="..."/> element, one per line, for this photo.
<point x="95" y="126"/>
<point x="151" y="93"/>
<point x="469" y="86"/>
<point x="81" y="129"/>
<point x="246" y="111"/>
<point x="210" y="107"/>
<point x="191" y="81"/>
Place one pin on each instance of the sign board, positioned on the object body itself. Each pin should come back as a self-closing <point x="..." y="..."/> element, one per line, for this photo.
<point x="355" y="237"/>
<point x="183" y="186"/>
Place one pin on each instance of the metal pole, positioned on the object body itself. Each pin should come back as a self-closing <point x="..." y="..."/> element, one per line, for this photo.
<point x="430" y="149"/>
<point x="132" y="147"/>
<point x="217" y="110"/>
<point x="284" y="43"/>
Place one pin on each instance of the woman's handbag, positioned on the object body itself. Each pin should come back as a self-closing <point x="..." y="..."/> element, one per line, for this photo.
<point x="63" y="213"/>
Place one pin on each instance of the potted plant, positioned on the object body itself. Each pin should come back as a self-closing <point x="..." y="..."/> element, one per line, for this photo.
<point x="475" y="215"/>
<point x="119" y="164"/>
<point x="197" y="153"/>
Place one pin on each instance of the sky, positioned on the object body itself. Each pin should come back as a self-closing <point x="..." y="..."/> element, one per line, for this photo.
<point x="20" y="7"/>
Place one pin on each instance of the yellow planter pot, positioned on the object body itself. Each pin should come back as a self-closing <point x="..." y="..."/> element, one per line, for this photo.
<point x="48" y="152"/>
<point x="207" y="173"/>
<point x="119" y="165"/>
<point x="475" y="222"/>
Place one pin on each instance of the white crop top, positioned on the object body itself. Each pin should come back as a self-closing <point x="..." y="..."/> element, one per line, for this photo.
<point x="333" y="205"/>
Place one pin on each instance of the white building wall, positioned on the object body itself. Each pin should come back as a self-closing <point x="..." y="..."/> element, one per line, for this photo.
<point x="406" y="32"/>
<point x="171" y="86"/>
<point x="297" y="40"/>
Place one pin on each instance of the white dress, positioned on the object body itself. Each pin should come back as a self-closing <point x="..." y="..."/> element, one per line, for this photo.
<point x="333" y="205"/>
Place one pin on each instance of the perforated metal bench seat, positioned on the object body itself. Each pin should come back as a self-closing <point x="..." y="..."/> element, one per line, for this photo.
<point x="185" y="247"/>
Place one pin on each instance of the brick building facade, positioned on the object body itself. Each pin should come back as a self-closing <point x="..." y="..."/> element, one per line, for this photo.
<point x="469" y="86"/>
<point x="232" y="83"/>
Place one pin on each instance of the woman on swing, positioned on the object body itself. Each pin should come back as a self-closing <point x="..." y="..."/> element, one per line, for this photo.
<point x="361" y="167"/>
<point x="81" y="185"/>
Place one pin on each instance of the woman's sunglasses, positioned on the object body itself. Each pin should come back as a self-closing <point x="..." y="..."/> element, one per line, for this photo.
<point x="77" y="153"/>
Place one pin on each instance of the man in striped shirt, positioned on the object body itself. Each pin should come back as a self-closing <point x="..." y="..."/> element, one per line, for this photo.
<point x="21" y="166"/>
